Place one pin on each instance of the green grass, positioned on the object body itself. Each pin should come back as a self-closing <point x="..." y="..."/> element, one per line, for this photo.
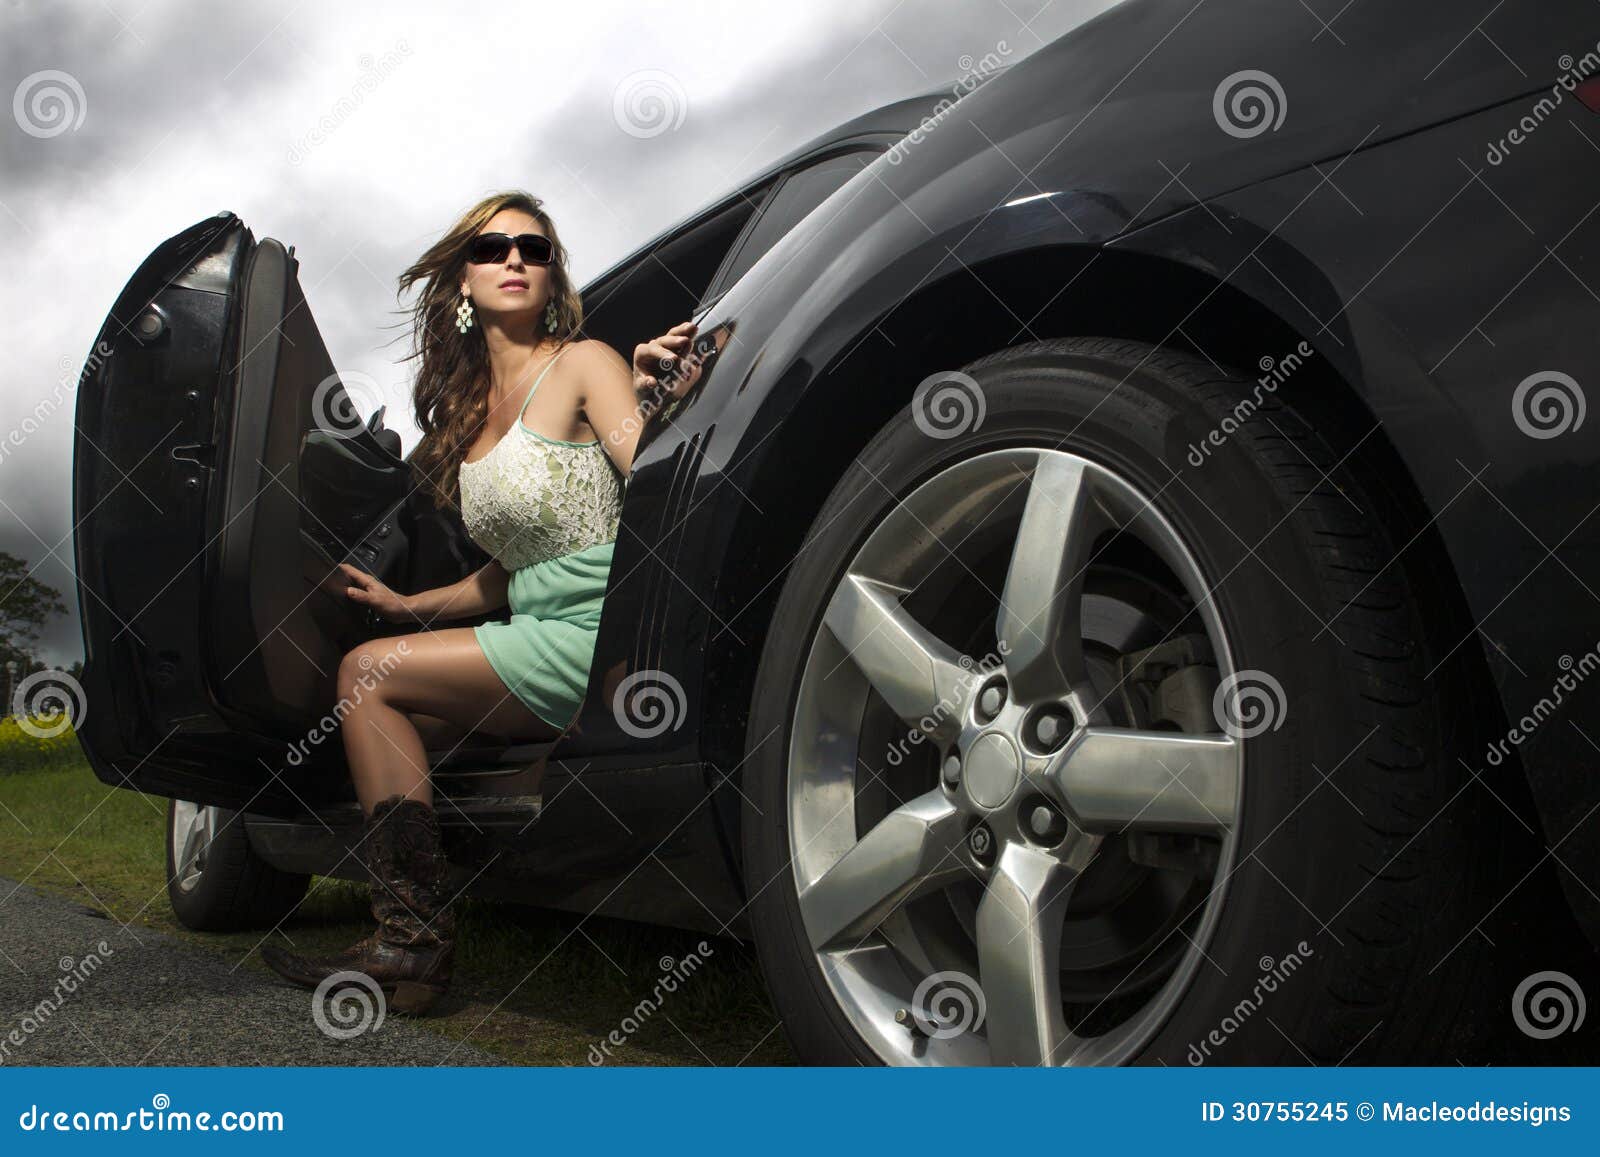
<point x="531" y="986"/>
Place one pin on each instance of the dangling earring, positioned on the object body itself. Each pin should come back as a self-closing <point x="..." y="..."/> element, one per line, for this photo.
<point x="550" y="316"/>
<point x="464" y="312"/>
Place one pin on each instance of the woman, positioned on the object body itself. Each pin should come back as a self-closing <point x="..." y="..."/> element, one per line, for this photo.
<point x="532" y="429"/>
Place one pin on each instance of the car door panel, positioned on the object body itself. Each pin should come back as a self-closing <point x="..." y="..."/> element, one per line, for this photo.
<point x="219" y="475"/>
<point x="303" y="486"/>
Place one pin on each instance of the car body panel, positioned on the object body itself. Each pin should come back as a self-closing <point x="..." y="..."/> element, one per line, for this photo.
<point x="959" y="198"/>
<point x="1104" y="136"/>
<point x="1441" y="360"/>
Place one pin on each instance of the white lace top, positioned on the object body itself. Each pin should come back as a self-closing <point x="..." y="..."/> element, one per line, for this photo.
<point x="532" y="498"/>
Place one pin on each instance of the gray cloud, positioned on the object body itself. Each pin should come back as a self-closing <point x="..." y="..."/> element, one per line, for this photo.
<point x="140" y="80"/>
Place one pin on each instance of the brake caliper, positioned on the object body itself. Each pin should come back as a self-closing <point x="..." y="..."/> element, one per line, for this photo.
<point x="1169" y="687"/>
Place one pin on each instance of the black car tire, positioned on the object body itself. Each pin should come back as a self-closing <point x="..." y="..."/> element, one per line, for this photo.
<point x="236" y="889"/>
<point x="1360" y="834"/>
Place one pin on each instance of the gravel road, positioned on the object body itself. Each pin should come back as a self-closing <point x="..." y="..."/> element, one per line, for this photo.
<point x="150" y="999"/>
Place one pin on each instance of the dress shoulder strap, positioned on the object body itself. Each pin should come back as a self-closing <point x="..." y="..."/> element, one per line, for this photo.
<point x="539" y="379"/>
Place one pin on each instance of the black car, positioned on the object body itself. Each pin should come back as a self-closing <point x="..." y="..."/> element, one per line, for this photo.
<point x="1121" y="588"/>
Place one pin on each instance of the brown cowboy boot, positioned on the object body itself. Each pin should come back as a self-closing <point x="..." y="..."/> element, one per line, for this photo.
<point x="410" y="952"/>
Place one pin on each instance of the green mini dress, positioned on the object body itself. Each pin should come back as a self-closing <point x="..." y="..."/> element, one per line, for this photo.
<point x="547" y="510"/>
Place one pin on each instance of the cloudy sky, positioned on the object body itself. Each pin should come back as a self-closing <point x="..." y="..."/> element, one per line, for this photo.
<point x="174" y="111"/>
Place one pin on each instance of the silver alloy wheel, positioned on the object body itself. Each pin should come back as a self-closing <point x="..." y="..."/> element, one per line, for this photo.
<point x="194" y="827"/>
<point x="1039" y="780"/>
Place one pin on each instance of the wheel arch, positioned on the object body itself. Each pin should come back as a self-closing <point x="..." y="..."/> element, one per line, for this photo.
<point x="1055" y="292"/>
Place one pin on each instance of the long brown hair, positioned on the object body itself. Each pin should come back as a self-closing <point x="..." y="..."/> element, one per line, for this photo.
<point x="451" y="397"/>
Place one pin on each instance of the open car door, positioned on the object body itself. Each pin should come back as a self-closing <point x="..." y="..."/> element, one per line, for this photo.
<point x="220" y="475"/>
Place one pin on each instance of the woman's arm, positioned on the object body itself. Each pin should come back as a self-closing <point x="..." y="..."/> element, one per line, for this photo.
<point x="482" y="590"/>
<point x="618" y="400"/>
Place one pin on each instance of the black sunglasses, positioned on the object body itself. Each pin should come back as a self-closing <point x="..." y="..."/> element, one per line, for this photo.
<point x="493" y="248"/>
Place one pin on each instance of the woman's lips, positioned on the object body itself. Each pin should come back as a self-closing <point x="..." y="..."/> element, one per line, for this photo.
<point x="514" y="286"/>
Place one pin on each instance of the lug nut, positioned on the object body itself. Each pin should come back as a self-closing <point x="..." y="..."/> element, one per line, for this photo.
<point x="1046" y="824"/>
<point x="981" y="841"/>
<point x="990" y="700"/>
<point x="1051" y="729"/>
<point x="952" y="771"/>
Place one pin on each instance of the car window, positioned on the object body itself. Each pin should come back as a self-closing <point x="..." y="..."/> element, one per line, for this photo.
<point x="661" y="284"/>
<point x="801" y="192"/>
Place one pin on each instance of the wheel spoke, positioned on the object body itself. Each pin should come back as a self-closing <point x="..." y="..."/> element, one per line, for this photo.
<point x="911" y="851"/>
<point x="193" y="839"/>
<point x="1041" y="607"/>
<point x="1019" y="955"/>
<point x="919" y="675"/>
<point x="1113" y="779"/>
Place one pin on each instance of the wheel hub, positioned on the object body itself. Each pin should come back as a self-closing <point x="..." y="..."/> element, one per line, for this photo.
<point x="991" y="769"/>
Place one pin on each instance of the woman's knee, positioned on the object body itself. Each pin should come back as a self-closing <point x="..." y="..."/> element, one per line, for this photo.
<point x="366" y="667"/>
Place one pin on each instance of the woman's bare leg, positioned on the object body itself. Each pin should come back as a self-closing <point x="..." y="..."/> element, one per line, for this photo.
<point x="442" y="674"/>
<point x="436" y="733"/>
<point x="442" y="735"/>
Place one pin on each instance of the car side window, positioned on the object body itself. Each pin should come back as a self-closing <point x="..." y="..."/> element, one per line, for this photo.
<point x="802" y="191"/>
<point x="661" y="285"/>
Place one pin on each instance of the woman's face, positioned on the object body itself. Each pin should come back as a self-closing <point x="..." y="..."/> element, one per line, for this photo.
<point x="513" y="286"/>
